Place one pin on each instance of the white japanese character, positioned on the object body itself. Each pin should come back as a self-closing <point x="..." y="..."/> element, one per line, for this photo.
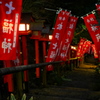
<point x="57" y="36"/>
<point x="73" y="20"/>
<point x="6" y="45"/>
<point x="16" y="62"/>
<point x="62" y="18"/>
<point x="91" y="19"/>
<point x="59" y="26"/>
<point x="88" y="21"/>
<point x="10" y="7"/>
<point x="94" y="28"/>
<point x="98" y="37"/>
<point x="67" y="40"/>
<point x="64" y="47"/>
<point x="8" y="26"/>
<point x="55" y="45"/>
<point x="69" y="33"/>
<point x="53" y="54"/>
<point x="0" y="2"/>
<point x="62" y="54"/>
<point x="71" y="26"/>
<point x="9" y="45"/>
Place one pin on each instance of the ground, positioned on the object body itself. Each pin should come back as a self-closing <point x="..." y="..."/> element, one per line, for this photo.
<point x="80" y="84"/>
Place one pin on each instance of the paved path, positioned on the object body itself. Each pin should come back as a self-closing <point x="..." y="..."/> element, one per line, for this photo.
<point x="83" y="84"/>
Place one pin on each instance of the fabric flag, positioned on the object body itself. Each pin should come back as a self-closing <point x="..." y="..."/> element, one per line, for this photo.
<point x="58" y="33"/>
<point x="98" y="9"/>
<point x="79" y="52"/>
<point x="94" y="30"/>
<point x="94" y="51"/>
<point x="67" y="39"/>
<point x="10" y="11"/>
<point x="86" y="46"/>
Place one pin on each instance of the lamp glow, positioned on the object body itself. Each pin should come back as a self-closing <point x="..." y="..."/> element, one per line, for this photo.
<point x="50" y="37"/>
<point x="24" y="27"/>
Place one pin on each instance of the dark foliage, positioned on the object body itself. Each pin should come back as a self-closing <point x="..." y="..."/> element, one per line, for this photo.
<point x="77" y="8"/>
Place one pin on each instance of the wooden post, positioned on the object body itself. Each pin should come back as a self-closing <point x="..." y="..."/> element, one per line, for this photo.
<point x="37" y="57"/>
<point x="25" y="56"/>
<point x="25" y="61"/>
<point x="8" y="78"/>
<point x="44" y="68"/>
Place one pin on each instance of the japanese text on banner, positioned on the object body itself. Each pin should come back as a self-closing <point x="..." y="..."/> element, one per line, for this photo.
<point x="9" y="19"/>
<point x="66" y="40"/>
<point x="58" y="33"/>
<point x="94" y="30"/>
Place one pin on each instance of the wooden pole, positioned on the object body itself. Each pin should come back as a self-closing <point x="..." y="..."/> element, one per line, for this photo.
<point x="44" y="68"/>
<point x="8" y="78"/>
<point x="25" y="62"/>
<point x="37" y="57"/>
<point x="25" y="56"/>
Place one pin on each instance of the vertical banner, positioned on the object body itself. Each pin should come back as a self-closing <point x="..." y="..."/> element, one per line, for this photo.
<point x="86" y="46"/>
<point x="10" y="11"/>
<point x="94" y="51"/>
<point x="58" y="33"/>
<point x="80" y="48"/>
<point x="94" y="30"/>
<point x="98" y="9"/>
<point x="67" y="39"/>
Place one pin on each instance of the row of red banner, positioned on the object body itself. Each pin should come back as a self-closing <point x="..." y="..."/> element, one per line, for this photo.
<point x="94" y="30"/>
<point x="86" y="46"/>
<point x="62" y="37"/>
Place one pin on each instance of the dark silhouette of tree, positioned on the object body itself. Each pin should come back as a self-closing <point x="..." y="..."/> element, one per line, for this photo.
<point x="77" y="8"/>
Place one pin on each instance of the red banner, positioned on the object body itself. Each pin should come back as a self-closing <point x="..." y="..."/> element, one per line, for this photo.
<point x="67" y="39"/>
<point x="94" y="30"/>
<point x="86" y="46"/>
<point x="98" y="9"/>
<point x="94" y="51"/>
<point x="80" y="48"/>
<point x="10" y="11"/>
<point x="58" y="33"/>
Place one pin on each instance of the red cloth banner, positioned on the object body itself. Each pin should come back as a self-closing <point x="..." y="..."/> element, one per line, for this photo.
<point x="10" y="11"/>
<point x="67" y="39"/>
<point x="86" y="46"/>
<point x="94" y="30"/>
<point x="80" y="48"/>
<point x="94" y="51"/>
<point x="58" y="33"/>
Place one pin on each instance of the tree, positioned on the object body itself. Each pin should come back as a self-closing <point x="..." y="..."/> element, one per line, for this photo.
<point x="77" y="8"/>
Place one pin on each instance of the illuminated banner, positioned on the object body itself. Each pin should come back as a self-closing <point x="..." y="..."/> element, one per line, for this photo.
<point x="94" y="51"/>
<point x="10" y="11"/>
<point x="80" y="48"/>
<point x="58" y="34"/>
<point x="94" y="30"/>
<point x="86" y="46"/>
<point x="67" y="39"/>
